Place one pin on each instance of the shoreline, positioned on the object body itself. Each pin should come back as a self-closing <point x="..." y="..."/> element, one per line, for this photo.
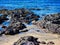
<point x="33" y="30"/>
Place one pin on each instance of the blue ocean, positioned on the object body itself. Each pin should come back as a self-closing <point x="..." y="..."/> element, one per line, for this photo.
<point x="47" y="6"/>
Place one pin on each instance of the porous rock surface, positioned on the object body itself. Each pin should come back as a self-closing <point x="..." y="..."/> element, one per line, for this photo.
<point x="17" y="19"/>
<point x="27" y="40"/>
<point x="52" y="23"/>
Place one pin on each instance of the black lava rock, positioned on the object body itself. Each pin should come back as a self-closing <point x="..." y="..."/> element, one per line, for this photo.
<point x="27" y="40"/>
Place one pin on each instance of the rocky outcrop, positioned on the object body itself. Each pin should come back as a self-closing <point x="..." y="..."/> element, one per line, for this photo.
<point x="27" y="40"/>
<point x="18" y="18"/>
<point x="52" y="23"/>
<point x="3" y="18"/>
<point x="30" y="40"/>
<point x="14" y="28"/>
<point x="22" y="14"/>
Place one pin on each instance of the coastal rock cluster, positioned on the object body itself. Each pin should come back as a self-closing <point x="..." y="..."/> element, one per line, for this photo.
<point x="30" y="40"/>
<point x="52" y="23"/>
<point x="18" y="18"/>
<point x="27" y="40"/>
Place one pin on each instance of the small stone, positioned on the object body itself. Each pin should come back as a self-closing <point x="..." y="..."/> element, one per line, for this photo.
<point x="43" y="42"/>
<point x="50" y="43"/>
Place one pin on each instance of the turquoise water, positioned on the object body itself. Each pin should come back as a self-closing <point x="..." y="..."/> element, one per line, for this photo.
<point x="47" y="6"/>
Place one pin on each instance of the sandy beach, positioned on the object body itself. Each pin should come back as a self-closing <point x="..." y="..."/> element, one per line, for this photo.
<point x="9" y="40"/>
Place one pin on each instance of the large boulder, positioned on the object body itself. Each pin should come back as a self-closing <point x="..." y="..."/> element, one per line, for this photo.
<point x="14" y="28"/>
<point x="27" y="40"/>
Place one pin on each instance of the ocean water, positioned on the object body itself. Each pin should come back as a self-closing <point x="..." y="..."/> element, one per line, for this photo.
<point x="52" y="6"/>
<point x="47" y="6"/>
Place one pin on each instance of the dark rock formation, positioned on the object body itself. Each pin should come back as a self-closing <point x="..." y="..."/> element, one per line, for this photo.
<point x="52" y="23"/>
<point x="3" y="11"/>
<point x="51" y="43"/>
<point x="14" y="28"/>
<point x="3" y="18"/>
<point x="22" y="14"/>
<point x="43" y="42"/>
<point x="17" y="19"/>
<point x="27" y="40"/>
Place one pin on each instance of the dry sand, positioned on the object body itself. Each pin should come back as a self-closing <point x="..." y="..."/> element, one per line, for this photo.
<point x="9" y="40"/>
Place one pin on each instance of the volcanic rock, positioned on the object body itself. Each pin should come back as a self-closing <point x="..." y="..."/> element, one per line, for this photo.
<point x="27" y="40"/>
<point x="3" y="18"/>
<point x="52" y="23"/>
<point x="17" y="19"/>
<point x="14" y="28"/>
